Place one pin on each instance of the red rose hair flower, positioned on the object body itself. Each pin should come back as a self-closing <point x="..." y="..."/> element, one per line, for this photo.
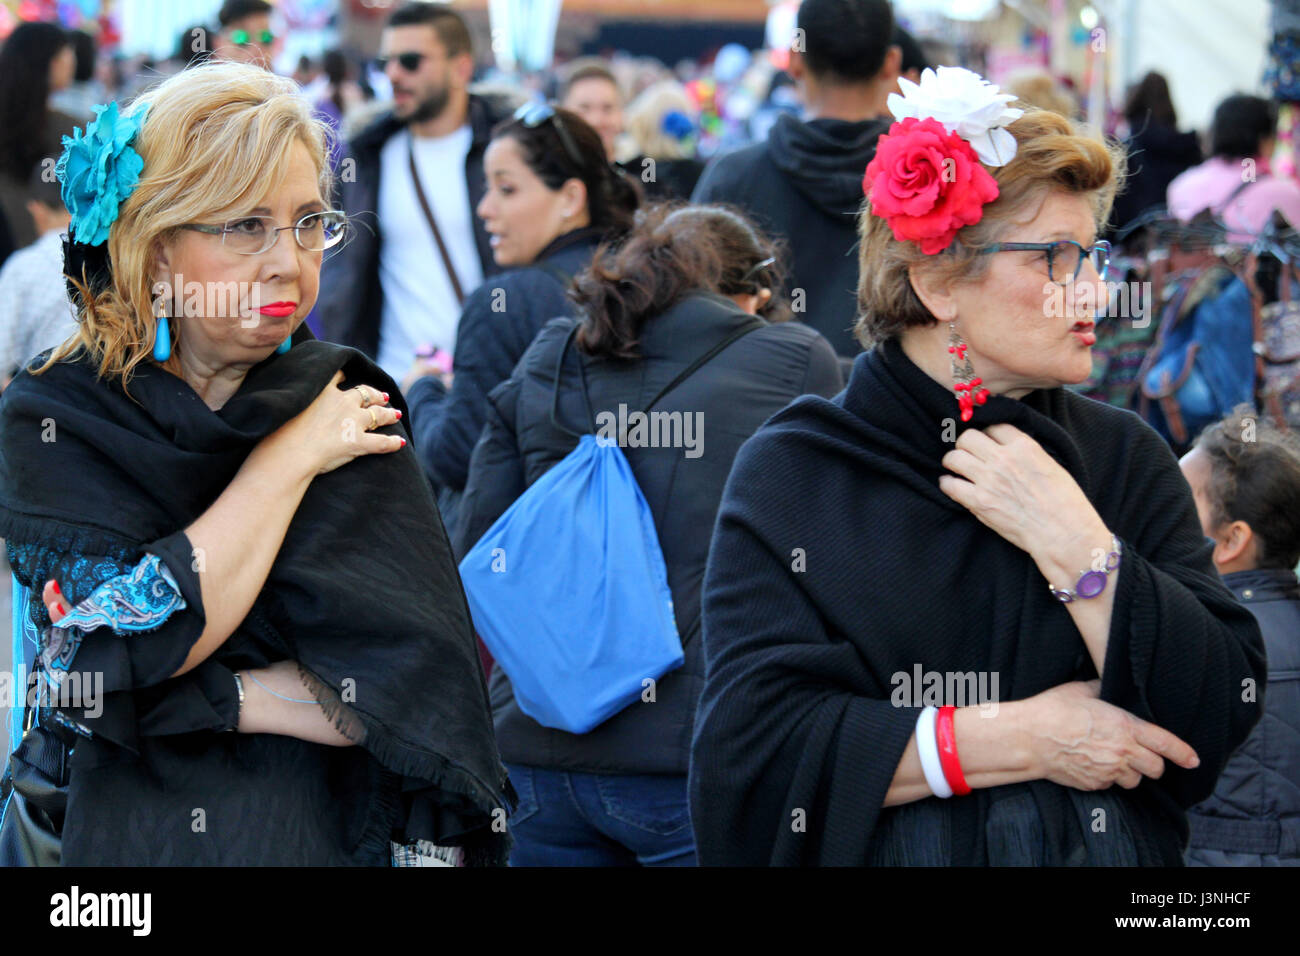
<point x="927" y="183"/>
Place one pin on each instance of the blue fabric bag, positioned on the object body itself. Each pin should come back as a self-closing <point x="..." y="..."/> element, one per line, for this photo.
<point x="568" y="589"/>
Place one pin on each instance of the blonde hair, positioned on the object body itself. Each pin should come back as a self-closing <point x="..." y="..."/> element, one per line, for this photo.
<point x="1052" y="154"/>
<point x="216" y="138"/>
<point x="645" y="118"/>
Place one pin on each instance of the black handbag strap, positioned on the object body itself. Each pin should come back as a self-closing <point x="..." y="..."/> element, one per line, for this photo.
<point x="740" y="332"/>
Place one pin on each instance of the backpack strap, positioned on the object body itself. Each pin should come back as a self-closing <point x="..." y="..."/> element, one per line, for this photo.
<point x="695" y="366"/>
<point x="1237" y="191"/>
<point x="682" y="376"/>
<point x="555" y="391"/>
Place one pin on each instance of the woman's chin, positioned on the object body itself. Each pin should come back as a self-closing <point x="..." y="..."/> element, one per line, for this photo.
<point x="1080" y="369"/>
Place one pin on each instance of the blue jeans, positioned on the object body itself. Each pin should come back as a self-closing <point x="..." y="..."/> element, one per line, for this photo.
<point x="565" y="818"/>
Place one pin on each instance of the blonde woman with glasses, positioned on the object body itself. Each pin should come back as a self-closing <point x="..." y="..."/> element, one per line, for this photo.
<point x="245" y="622"/>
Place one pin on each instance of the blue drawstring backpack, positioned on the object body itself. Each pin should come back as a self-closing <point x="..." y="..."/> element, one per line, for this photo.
<point x="568" y="589"/>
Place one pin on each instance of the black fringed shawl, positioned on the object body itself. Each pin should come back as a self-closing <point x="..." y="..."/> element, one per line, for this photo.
<point x="364" y="594"/>
<point x="837" y="563"/>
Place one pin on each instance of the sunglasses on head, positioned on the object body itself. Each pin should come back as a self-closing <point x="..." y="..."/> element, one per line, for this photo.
<point x="410" y="62"/>
<point x="753" y="274"/>
<point x="244" y="38"/>
<point x="533" y="115"/>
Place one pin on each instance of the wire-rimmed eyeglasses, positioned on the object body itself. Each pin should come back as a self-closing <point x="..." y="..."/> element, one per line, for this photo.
<point x="1063" y="250"/>
<point x="252" y="235"/>
<point x="532" y="115"/>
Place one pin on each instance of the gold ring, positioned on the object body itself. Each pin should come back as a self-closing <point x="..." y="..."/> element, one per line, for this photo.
<point x="365" y="395"/>
<point x="374" y="420"/>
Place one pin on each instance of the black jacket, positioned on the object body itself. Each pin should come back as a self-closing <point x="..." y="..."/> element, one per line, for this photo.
<point x="501" y="319"/>
<point x="351" y="296"/>
<point x="736" y="391"/>
<point x="1253" y="818"/>
<point x="804" y="185"/>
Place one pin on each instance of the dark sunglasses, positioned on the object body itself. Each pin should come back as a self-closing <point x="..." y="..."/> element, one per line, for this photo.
<point x="243" y="37"/>
<point x="410" y="62"/>
<point x="533" y="115"/>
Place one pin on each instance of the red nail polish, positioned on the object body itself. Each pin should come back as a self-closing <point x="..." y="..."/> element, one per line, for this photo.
<point x="56" y="587"/>
<point x="403" y="441"/>
<point x="399" y="414"/>
<point x="385" y="396"/>
<point x="60" y="609"/>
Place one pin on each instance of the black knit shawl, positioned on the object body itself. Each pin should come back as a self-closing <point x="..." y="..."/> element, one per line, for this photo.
<point x="364" y="589"/>
<point x="837" y="563"/>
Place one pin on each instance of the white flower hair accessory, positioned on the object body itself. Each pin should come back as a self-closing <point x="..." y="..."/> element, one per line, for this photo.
<point x="966" y="104"/>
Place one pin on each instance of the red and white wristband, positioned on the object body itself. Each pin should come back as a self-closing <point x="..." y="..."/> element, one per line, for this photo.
<point x="936" y="743"/>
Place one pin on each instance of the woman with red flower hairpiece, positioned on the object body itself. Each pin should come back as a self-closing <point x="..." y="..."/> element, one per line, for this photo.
<point x="991" y="633"/>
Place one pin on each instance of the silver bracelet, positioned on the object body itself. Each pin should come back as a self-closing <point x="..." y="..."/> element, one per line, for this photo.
<point x="239" y="687"/>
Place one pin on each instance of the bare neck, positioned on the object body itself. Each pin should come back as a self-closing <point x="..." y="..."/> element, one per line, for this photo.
<point x="851" y="103"/>
<point x="215" y="384"/>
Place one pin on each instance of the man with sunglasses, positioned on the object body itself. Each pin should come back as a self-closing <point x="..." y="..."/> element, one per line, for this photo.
<point x="245" y="35"/>
<point x="417" y="173"/>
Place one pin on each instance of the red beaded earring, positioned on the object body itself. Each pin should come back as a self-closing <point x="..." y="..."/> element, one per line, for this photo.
<point x="965" y="384"/>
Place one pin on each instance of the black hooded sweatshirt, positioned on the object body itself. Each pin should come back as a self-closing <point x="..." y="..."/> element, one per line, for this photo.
<point x="804" y="185"/>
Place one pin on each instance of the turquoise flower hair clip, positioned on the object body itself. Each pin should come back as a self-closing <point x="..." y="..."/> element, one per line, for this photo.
<point x="99" y="170"/>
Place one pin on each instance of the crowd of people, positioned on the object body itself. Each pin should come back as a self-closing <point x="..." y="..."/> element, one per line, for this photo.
<point x="868" y="402"/>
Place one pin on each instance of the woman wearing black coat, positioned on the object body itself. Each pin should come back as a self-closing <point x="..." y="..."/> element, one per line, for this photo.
<point x="551" y="198"/>
<point x="682" y="283"/>
<point x="959" y="615"/>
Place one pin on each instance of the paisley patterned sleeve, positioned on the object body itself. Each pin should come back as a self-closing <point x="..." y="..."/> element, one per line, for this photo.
<point x="139" y="600"/>
<point x="132" y="622"/>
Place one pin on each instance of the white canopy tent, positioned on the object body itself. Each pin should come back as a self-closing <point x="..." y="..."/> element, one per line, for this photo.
<point x="1207" y="49"/>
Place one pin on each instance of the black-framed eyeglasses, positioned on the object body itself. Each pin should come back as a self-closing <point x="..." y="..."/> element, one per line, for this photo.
<point x="532" y="115"/>
<point x="252" y="235"/>
<point x="1062" y="251"/>
<point x="243" y="37"/>
<point x="410" y="62"/>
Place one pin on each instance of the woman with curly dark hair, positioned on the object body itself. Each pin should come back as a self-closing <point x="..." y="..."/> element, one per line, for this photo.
<point x="688" y="293"/>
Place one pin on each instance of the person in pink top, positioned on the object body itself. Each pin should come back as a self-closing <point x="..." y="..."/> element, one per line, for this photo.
<point x="1235" y="182"/>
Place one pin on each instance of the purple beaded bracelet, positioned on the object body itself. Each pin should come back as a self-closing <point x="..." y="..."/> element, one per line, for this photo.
<point x="1092" y="582"/>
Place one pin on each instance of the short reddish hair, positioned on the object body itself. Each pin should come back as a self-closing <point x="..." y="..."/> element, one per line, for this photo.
<point x="1052" y="153"/>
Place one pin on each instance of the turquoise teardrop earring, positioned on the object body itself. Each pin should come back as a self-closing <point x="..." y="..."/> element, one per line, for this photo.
<point x="284" y="346"/>
<point x="162" y="343"/>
